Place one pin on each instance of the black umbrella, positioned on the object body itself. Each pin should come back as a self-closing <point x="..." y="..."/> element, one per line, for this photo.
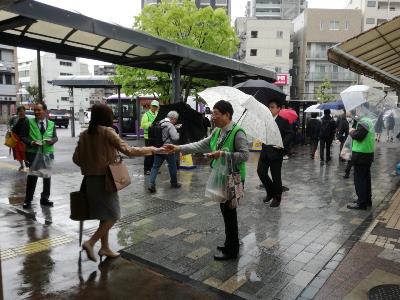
<point x="192" y="129"/>
<point x="262" y="90"/>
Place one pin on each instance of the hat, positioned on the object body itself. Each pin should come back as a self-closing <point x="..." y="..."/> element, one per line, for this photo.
<point x="155" y="103"/>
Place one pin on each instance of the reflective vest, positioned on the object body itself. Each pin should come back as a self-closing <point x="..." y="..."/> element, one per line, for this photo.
<point x="36" y="135"/>
<point x="367" y="145"/>
<point x="228" y="146"/>
<point x="150" y="118"/>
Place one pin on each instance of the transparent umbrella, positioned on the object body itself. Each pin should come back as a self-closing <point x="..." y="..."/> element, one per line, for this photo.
<point x="254" y="117"/>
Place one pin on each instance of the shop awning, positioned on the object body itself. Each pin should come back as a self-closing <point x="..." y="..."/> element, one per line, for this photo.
<point x="374" y="53"/>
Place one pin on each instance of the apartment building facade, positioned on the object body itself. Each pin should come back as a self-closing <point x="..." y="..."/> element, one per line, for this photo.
<point x="226" y="4"/>
<point x="315" y="30"/>
<point x="275" y="9"/>
<point x="8" y="81"/>
<point x="267" y="43"/>
<point x="103" y="93"/>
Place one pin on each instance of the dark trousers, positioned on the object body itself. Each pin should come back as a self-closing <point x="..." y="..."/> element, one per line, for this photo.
<point x="325" y="145"/>
<point x="313" y="147"/>
<point x="148" y="160"/>
<point x="273" y="185"/>
<point x="362" y="184"/>
<point x="31" y="186"/>
<point x="348" y="167"/>
<point x="231" y="229"/>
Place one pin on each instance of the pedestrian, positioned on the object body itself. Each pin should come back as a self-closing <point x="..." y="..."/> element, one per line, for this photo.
<point x="390" y="127"/>
<point x="39" y="135"/>
<point x="147" y="120"/>
<point x="379" y="125"/>
<point x="326" y="136"/>
<point x="97" y="148"/>
<point x="227" y="137"/>
<point x="16" y="129"/>
<point x="169" y="135"/>
<point x="342" y="126"/>
<point x="206" y="124"/>
<point x="312" y="131"/>
<point x="362" y="156"/>
<point x="271" y="157"/>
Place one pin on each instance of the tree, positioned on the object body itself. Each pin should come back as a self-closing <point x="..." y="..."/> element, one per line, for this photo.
<point x="322" y="92"/>
<point x="34" y="93"/>
<point x="184" y="23"/>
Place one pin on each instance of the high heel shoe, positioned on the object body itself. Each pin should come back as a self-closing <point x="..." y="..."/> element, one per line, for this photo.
<point x="89" y="251"/>
<point x="108" y="253"/>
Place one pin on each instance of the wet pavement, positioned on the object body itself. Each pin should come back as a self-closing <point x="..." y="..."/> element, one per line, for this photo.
<point x="287" y="252"/>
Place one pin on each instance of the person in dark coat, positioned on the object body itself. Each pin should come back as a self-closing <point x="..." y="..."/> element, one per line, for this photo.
<point x="379" y="125"/>
<point x="390" y="127"/>
<point x="342" y="131"/>
<point x="312" y="131"/>
<point x="271" y="157"/>
<point x="326" y="135"/>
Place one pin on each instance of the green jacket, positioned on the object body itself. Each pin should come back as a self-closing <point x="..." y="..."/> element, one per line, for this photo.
<point x="366" y="145"/>
<point x="147" y="120"/>
<point x="229" y="146"/>
<point x="35" y="135"/>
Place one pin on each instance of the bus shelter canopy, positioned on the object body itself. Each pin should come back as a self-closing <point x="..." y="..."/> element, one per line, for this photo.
<point x="374" y="53"/>
<point x="38" y="26"/>
<point x="85" y="81"/>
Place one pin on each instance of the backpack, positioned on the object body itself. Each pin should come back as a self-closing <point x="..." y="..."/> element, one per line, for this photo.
<point x="326" y="131"/>
<point x="155" y="134"/>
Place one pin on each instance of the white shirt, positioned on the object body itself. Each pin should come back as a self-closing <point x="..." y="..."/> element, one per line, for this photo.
<point x="44" y="123"/>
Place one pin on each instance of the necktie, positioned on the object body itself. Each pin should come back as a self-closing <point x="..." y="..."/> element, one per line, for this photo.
<point x="42" y="129"/>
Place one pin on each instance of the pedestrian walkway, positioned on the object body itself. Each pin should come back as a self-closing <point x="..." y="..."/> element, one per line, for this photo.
<point x="285" y="251"/>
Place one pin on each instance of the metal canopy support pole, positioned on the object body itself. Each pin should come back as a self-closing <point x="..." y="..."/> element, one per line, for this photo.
<point x="39" y="73"/>
<point x="72" y="110"/>
<point x="138" y="119"/>
<point x="119" y="111"/>
<point x="176" y="82"/>
<point x="229" y="80"/>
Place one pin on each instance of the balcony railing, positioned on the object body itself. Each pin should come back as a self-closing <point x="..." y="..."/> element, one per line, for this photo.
<point x="331" y="76"/>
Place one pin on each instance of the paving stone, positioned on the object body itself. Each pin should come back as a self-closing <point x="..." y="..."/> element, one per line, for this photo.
<point x="304" y="257"/>
<point x="214" y="282"/>
<point x="196" y="254"/>
<point x="193" y="238"/>
<point x="310" y="292"/>
<point x="175" y="231"/>
<point x="303" y="278"/>
<point x="187" y="216"/>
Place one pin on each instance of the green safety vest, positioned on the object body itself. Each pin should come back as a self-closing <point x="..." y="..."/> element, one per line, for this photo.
<point x="151" y="118"/>
<point x="36" y="135"/>
<point x="367" y="145"/>
<point x="229" y="146"/>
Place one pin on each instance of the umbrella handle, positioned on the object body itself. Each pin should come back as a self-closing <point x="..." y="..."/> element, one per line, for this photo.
<point x="242" y="115"/>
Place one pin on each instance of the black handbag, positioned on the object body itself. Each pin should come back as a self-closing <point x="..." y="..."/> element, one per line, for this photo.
<point x="79" y="203"/>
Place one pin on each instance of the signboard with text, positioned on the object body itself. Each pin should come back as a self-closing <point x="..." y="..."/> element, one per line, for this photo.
<point x="282" y="79"/>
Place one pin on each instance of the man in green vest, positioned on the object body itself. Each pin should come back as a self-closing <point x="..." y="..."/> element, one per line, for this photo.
<point x="147" y="120"/>
<point x="362" y="156"/>
<point x="227" y="137"/>
<point x="39" y="135"/>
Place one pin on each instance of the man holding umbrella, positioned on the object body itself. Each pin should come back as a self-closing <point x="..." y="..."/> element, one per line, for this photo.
<point x="271" y="157"/>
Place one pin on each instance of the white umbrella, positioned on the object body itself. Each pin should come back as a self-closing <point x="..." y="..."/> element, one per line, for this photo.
<point x="313" y="109"/>
<point x="254" y="117"/>
<point x="356" y="95"/>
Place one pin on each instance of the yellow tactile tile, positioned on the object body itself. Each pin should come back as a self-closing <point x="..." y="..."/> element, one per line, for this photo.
<point x="193" y="238"/>
<point x="187" y="216"/>
<point x="175" y="231"/>
<point x="210" y="203"/>
<point x="142" y="222"/>
<point x="356" y="221"/>
<point x="212" y="281"/>
<point x="233" y="283"/>
<point x="200" y="252"/>
<point x="158" y="232"/>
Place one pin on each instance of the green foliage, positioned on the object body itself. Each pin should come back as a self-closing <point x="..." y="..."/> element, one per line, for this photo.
<point x="184" y="23"/>
<point x="34" y="93"/>
<point x="322" y="92"/>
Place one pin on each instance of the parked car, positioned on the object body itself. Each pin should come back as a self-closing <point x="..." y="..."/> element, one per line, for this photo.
<point x="60" y="117"/>
<point x="29" y="114"/>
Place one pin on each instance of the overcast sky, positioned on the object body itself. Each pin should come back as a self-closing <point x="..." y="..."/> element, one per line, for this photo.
<point x="122" y="12"/>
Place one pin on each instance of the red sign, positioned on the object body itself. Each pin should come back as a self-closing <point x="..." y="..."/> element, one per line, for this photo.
<point x="282" y="79"/>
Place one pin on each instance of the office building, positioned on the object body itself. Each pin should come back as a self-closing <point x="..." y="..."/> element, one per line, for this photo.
<point x="275" y="9"/>
<point x="226" y="4"/>
<point x="8" y="82"/>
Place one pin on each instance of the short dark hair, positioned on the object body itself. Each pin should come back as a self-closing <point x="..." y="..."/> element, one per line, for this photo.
<point x="278" y="103"/>
<point x="327" y="112"/>
<point x="102" y="115"/>
<point x="44" y="106"/>
<point x="20" y="108"/>
<point x="224" y="107"/>
<point x="314" y="115"/>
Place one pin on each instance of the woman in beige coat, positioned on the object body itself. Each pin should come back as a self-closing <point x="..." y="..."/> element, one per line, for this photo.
<point x="97" y="147"/>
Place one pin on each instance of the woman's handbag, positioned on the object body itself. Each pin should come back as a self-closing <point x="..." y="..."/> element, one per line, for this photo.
<point x="79" y="203"/>
<point x="117" y="176"/>
<point x="234" y="185"/>
<point x="9" y="140"/>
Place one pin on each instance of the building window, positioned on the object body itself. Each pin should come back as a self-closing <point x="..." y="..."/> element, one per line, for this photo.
<point x="321" y="26"/>
<point x="64" y="98"/>
<point x="8" y="79"/>
<point x="370" y="21"/>
<point x="254" y="34"/>
<point x="1" y="79"/>
<point x="253" y="52"/>
<point x="371" y="3"/>
<point x="392" y="8"/>
<point x="279" y="34"/>
<point x="24" y="73"/>
<point x="278" y="69"/>
<point x="334" y="25"/>
<point x="65" y="74"/>
<point x="346" y="25"/>
<point x="278" y="52"/>
<point x="65" y="63"/>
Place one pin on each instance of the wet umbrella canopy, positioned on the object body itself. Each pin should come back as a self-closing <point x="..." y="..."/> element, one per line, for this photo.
<point x="262" y="90"/>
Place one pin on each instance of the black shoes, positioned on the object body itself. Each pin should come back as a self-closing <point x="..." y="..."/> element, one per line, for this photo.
<point x="346" y="176"/>
<point x="225" y="256"/>
<point x="176" y="186"/>
<point x="146" y="172"/>
<point x="26" y="205"/>
<point x="276" y="201"/>
<point x="357" y="206"/>
<point x="267" y="199"/>
<point x="46" y="203"/>
<point x="152" y="189"/>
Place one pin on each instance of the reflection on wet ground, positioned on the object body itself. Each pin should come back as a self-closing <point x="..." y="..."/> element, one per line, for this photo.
<point x="176" y="232"/>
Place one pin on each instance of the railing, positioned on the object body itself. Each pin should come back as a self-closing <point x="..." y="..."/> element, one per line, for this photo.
<point x="332" y="76"/>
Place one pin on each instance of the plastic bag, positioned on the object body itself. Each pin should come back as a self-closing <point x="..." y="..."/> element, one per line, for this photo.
<point x="346" y="150"/>
<point x="42" y="165"/>
<point x="216" y="187"/>
<point x="235" y="192"/>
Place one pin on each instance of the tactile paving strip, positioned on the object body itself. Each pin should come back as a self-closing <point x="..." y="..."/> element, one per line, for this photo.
<point x="34" y="247"/>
